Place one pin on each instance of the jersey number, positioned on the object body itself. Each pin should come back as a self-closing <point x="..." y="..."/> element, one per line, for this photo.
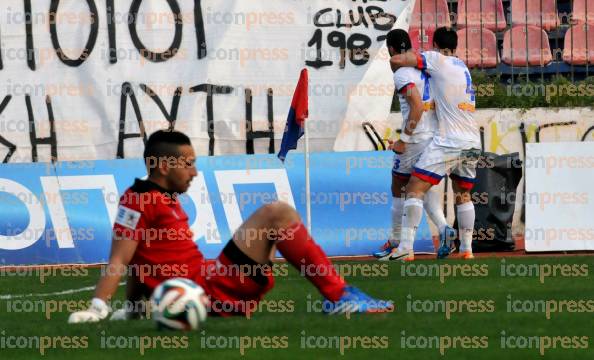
<point x="426" y="90"/>
<point x="469" y="89"/>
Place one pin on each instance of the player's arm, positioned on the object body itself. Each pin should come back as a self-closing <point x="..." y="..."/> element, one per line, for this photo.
<point x="413" y="98"/>
<point x="416" y="110"/>
<point x="408" y="59"/>
<point x="122" y="251"/>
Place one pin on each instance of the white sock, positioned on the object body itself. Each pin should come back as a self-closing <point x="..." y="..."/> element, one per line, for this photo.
<point x="397" y="205"/>
<point x="411" y="218"/>
<point x="434" y="209"/>
<point x="465" y="216"/>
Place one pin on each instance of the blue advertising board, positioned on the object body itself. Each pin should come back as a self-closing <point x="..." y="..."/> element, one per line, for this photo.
<point x="63" y="213"/>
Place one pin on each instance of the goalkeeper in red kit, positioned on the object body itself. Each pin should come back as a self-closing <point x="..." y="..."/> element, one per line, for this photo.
<point x="151" y="232"/>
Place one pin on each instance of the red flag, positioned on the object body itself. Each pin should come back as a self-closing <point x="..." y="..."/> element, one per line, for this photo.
<point x="296" y="118"/>
<point x="300" y="98"/>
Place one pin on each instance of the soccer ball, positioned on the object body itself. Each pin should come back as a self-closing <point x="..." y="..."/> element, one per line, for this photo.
<point x="177" y="304"/>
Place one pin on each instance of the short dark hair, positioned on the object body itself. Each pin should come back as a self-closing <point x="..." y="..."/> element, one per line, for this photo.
<point x="399" y="40"/>
<point x="163" y="144"/>
<point x="446" y="38"/>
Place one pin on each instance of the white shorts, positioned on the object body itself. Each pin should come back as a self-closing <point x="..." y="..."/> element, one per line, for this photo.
<point x="404" y="163"/>
<point x="437" y="161"/>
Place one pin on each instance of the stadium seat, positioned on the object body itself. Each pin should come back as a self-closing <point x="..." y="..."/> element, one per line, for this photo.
<point x="484" y="13"/>
<point x="430" y="14"/>
<point x="580" y="14"/>
<point x="526" y="46"/>
<point x="579" y="48"/>
<point x="542" y="13"/>
<point x="477" y="48"/>
<point x="421" y="39"/>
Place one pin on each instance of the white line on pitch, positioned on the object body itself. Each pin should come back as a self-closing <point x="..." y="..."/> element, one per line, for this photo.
<point x="58" y="293"/>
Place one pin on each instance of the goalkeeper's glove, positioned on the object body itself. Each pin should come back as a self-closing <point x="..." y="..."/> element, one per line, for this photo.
<point x="120" y="315"/>
<point x="96" y="312"/>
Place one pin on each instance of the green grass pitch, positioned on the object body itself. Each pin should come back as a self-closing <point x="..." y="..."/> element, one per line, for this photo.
<point x="488" y="308"/>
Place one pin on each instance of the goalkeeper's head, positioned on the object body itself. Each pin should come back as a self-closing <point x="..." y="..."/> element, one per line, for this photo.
<point x="170" y="160"/>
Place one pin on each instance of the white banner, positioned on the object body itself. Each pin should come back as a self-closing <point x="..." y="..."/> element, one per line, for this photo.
<point x="559" y="196"/>
<point x="76" y="76"/>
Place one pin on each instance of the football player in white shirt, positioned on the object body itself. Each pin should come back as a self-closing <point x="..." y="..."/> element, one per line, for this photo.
<point x="454" y="149"/>
<point x="418" y="128"/>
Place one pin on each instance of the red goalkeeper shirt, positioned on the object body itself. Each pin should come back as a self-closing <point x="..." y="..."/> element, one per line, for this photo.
<point x="155" y="219"/>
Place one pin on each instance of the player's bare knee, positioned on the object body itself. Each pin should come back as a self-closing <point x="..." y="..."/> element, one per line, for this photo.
<point x="416" y="188"/>
<point x="398" y="186"/>
<point x="396" y="191"/>
<point x="279" y="214"/>
<point x="461" y="194"/>
<point x="461" y="197"/>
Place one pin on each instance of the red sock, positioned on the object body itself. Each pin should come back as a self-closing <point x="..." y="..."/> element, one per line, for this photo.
<point x="308" y="257"/>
